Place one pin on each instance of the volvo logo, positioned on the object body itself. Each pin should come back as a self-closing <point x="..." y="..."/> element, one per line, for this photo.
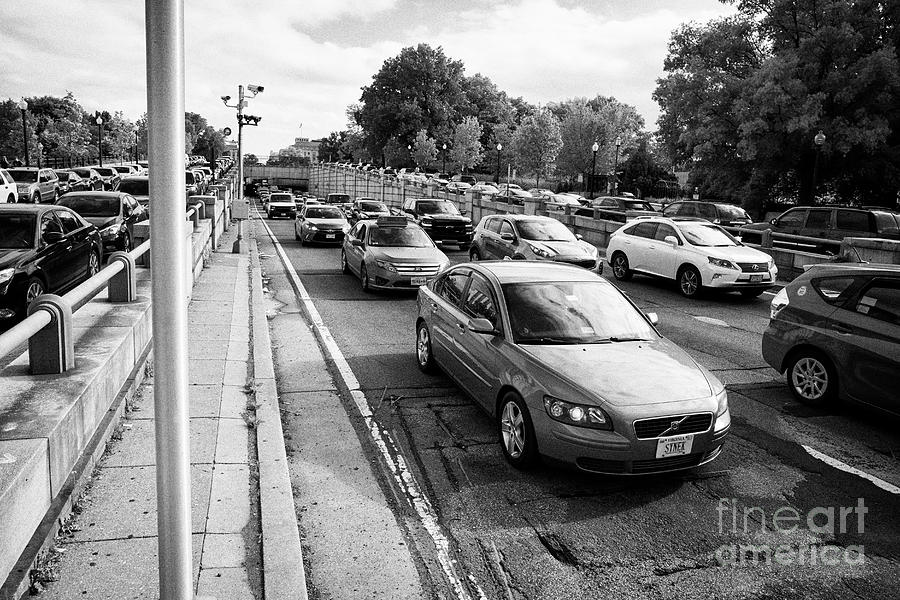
<point x="674" y="425"/>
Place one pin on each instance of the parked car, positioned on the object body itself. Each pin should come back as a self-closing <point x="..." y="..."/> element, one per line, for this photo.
<point x="561" y="201"/>
<point x="483" y="188"/>
<point x="529" y="237"/>
<point x="835" y="334"/>
<point x="125" y="170"/>
<point x="570" y="369"/>
<point x="9" y="191"/>
<point x="511" y="194"/>
<point x="43" y="248"/>
<point x="541" y="192"/>
<point x="831" y="223"/>
<point x="695" y="253"/>
<point x="95" y="182"/>
<point x="441" y="219"/>
<point x="470" y="179"/>
<point x="719" y="213"/>
<point x="391" y="253"/>
<point x="112" y="213"/>
<point x="35" y="185"/>
<point x="281" y="204"/>
<point x="193" y="185"/>
<point x="457" y="186"/>
<point x="69" y="181"/>
<point x="322" y="224"/>
<point x="109" y="176"/>
<point x="613" y="208"/>
<point x="367" y="208"/>
<point x="138" y="187"/>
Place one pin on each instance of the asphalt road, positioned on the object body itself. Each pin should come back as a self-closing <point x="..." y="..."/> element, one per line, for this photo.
<point x="726" y="530"/>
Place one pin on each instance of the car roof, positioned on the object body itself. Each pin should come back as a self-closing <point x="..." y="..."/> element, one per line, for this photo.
<point x="518" y="217"/>
<point x="526" y="271"/>
<point x="33" y="209"/>
<point x="95" y="194"/>
<point x="136" y="178"/>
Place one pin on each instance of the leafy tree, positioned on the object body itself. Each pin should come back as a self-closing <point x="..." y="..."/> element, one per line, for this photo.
<point x="466" y="149"/>
<point x="330" y="148"/>
<point x="537" y="143"/>
<point x="484" y="101"/>
<point x="250" y="160"/>
<point x="194" y="126"/>
<point x="210" y="141"/>
<point x="424" y="149"/>
<point x="641" y="172"/>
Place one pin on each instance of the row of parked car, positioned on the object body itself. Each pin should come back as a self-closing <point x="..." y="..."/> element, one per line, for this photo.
<point x="34" y="184"/>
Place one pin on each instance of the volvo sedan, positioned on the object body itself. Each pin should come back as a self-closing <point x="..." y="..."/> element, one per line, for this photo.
<point x="570" y="369"/>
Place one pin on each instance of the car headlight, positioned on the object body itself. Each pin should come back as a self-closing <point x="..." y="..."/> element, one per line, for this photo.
<point x="312" y="227"/>
<point x="723" y="415"/>
<point x="111" y="231"/>
<point x="6" y="275"/>
<point x="778" y="303"/>
<point x="541" y="251"/>
<point x="386" y="266"/>
<point x="426" y="223"/>
<point x="579" y="415"/>
<point x="721" y="262"/>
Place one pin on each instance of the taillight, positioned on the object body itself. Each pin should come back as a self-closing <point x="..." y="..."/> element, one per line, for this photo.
<point x="779" y="302"/>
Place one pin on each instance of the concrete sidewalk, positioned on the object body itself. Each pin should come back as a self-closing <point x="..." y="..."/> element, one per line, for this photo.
<point x="108" y="549"/>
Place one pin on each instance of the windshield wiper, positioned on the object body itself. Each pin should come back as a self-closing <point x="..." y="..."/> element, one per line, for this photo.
<point x="626" y="339"/>
<point x="553" y="340"/>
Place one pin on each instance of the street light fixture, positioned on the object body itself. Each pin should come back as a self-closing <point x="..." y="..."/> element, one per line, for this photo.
<point x="616" y="168"/>
<point x="409" y="149"/>
<point x="40" y="153"/>
<point x="23" y="106"/>
<point x="99" y="123"/>
<point x="818" y="140"/>
<point x="499" y="148"/>
<point x="594" y="149"/>
<point x="444" y="165"/>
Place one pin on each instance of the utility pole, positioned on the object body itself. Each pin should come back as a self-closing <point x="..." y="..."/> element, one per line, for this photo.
<point x="242" y="120"/>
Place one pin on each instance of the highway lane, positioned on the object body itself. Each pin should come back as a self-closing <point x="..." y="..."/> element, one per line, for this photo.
<point x="556" y="533"/>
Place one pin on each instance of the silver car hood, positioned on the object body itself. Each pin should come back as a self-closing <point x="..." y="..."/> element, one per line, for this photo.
<point x="412" y="255"/>
<point x="627" y="373"/>
<point x="563" y="248"/>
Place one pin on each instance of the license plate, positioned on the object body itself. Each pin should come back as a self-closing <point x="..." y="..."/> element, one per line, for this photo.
<point x="417" y="280"/>
<point x="755" y="278"/>
<point x="329" y="236"/>
<point x="674" y="445"/>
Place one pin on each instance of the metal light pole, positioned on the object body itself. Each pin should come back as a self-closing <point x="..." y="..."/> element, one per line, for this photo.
<point x="616" y="168"/>
<point x="40" y="148"/>
<point x="99" y="122"/>
<point x="444" y="165"/>
<point x="499" y="148"/>
<point x="23" y="106"/>
<point x="818" y="140"/>
<point x="237" y="247"/>
<point x="135" y="146"/>
<point x="409" y="149"/>
<point x="165" y="117"/>
<point x="594" y="148"/>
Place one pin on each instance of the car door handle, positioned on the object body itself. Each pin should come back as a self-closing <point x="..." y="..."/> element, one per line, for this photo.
<point x="434" y="307"/>
<point x="461" y="326"/>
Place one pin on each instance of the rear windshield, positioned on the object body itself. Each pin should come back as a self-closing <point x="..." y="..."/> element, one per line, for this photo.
<point x="281" y="198"/>
<point x="91" y="206"/>
<point x="436" y="207"/>
<point x="373" y="206"/>
<point x="23" y="176"/>
<point x="106" y="171"/>
<point x="122" y="169"/>
<point x="16" y="231"/>
<point x="135" y="187"/>
<point x="338" y="198"/>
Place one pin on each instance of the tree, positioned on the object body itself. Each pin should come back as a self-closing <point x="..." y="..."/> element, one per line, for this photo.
<point x="210" y="141"/>
<point x="194" y="126"/>
<point x="484" y="101"/>
<point x="331" y="147"/>
<point x="250" y="160"/>
<point x="465" y="151"/>
<point x="537" y="142"/>
<point x="424" y="149"/>
<point x="641" y="172"/>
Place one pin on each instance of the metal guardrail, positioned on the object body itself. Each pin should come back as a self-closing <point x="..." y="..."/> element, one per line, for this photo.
<point x="48" y="326"/>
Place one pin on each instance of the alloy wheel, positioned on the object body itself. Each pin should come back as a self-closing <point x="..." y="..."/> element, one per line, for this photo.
<point x="512" y="426"/>
<point x="809" y="378"/>
<point x="93" y="264"/>
<point x="689" y="281"/>
<point x="35" y="288"/>
<point x="423" y="346"/>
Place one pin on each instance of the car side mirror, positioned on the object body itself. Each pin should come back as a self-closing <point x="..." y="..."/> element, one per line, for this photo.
<point x="52" y="237"/>
<point x="578" y="236"/>
<point x="481" y="326"/>
<point x="357" y="242"/>
<point x="653" y="318"/>
<point x="774" y="221"/>
<point x="671" y="239"/>
<point x="507" y="237"/>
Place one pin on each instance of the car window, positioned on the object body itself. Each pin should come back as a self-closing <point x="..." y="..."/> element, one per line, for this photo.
<point x="688" y="209"/>
<point x="672" y="209"/>
<point x="645" y="230"/>
<point x="505" y="228"/>
<point x="853" y="220"/>
<point x="887" y="223"/>
<point x="834" y="290"/>
<point x="793" y="218"/>
<point x="452" y="285"/>
<point x="881" y="301"/>
<point x="492" y="225"/>
<point x="49" y="224"/>
<point x="16" y="230"/>
<point x="609" y="202"/>
<point x="707" y="211"/>
<point x="663" y="230"/>
<point x="69" y="221"/>
<point x="361" y="234"/>
<point x="818" y="218"/>
<point x="480" y="301"/>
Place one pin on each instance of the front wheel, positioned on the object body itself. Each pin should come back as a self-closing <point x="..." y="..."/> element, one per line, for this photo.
<point x="424" y="357"/>
<point x="474" y="255"/>
<point x="345" y="268"/>
<point x="93" y="264"/>
<point x="364" y="278"/>
<point x="689" y="282"/>
<point x="126" y="243"/>
<point x="517" y="438"/>
<point x="33" y="289"/>
<point x="620" y="267"/>
<point x="35" y="199"/>
<point x="811" y="378"/>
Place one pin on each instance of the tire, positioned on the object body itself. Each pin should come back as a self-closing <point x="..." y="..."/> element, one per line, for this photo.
<point x="620" y="267"/>
<point x="516" y="431"/>
<point x="126" y="243"/>
<point x="424" y="356"/>
<point x="689" y="282"/>
<point x="56" y="196"/>
<point x="364" y="278"/>
<point x="33" y="288"/>
<point x="297" y="236"/>
<point x="345" y="268"/>
<point x="10" y="200"/>
<point x="751" y="293"/>
<point x="93" y="266"/>
<point x="811" y="377"/>
<point x="35" y="199"/>
<point x="474" y="255"/>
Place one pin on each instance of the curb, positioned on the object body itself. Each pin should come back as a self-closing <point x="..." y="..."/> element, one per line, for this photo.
<point x="282" y="555"/>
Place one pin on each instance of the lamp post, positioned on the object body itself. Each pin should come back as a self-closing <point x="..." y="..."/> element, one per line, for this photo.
<point x="242" y="119"/>
<point x="99" y="122"/>
<point x="135" y="146"/>
<point x="444" y="165"/>
<point x="616" y="168"/>
<point x="594" y="149"/>
<point x="409" y="149"/>
<point x="23" y="106"/>
<point x="40" y="149"/>
<point x="818" y="140"/>
<point x="499" y="148"/>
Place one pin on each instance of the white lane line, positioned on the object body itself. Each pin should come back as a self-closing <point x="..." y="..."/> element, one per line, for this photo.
<point x="712" y="321"/>
<point x="391" y="455"/>
<point x="888" y="487"/>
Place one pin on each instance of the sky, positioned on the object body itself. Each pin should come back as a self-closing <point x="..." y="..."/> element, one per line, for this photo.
<point x="314" y="56"/>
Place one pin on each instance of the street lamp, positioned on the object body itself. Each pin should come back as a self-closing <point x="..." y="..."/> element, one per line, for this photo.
<point x="594" y="149"/>
<point x="23" y="106"/>
<point x="237" y="246"/>
<point x="40" y="153"/>
<point x="499" y="148"/>
<point x="818" y="140"/>
<point x="99" y="122"/>
<point x="616" y="168"/>
<point x="444" y="166"/>
<point x="409" y="149"/>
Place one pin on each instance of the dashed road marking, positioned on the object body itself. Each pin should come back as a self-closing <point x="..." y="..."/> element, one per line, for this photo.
<point x="712" y="321"/>
<point x="391" y="455"/>
<point x="837" y="464"/>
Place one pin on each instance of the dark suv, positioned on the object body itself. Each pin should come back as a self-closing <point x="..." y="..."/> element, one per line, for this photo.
<point x="441" y="219"/>
<point x="835" y="332"/>
<point x="719" y="213"/>
<point x="833" y="223"/>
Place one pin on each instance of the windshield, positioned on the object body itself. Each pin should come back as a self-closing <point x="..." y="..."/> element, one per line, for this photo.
<point x="281" y="198"/>
<point x="373" y="206"/>
<point x="105" y="171"/>
<point x="135" y="187"/>
<point x="324" y="212"/>
<point x="436" y="207"/>
<point x="732" y="212"/>
<point x="122" y="169"/>
<point x="91" y="206"/>
<point x="338" y="198"/>
<point x="637" y="205"/>
<point x="573" y="312"/>
<point x="23" y="176"/>
<point x="82" y="172"/>
<point x="407" y="237"/>
<point x="540" y="230"/>
<point x="16" y="231"/>
<point x="704" y="234"/>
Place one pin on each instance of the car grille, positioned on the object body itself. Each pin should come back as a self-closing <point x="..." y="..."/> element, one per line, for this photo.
<point x="647" y="429"/>
<point x="754" y="267"/>
<point x="654" y="465"/>
<point x="417" y="270"/>
<point x="319" y="236"/>
<point x="587" y="263"/>
<point x="451" y="231"/>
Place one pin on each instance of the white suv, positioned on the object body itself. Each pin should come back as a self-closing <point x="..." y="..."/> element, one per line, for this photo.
<point x="8" y="190"/>
<point x="693" y="252"/>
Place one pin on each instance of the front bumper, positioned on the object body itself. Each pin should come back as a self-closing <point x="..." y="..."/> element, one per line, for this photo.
<point x="451" y="235"/>
<point x="323" y="236"/>
<point x="592" y="264"/>
<point x="277" y="211"/>
<point x="383" y="279"/>
<point x="717" y="277"/>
